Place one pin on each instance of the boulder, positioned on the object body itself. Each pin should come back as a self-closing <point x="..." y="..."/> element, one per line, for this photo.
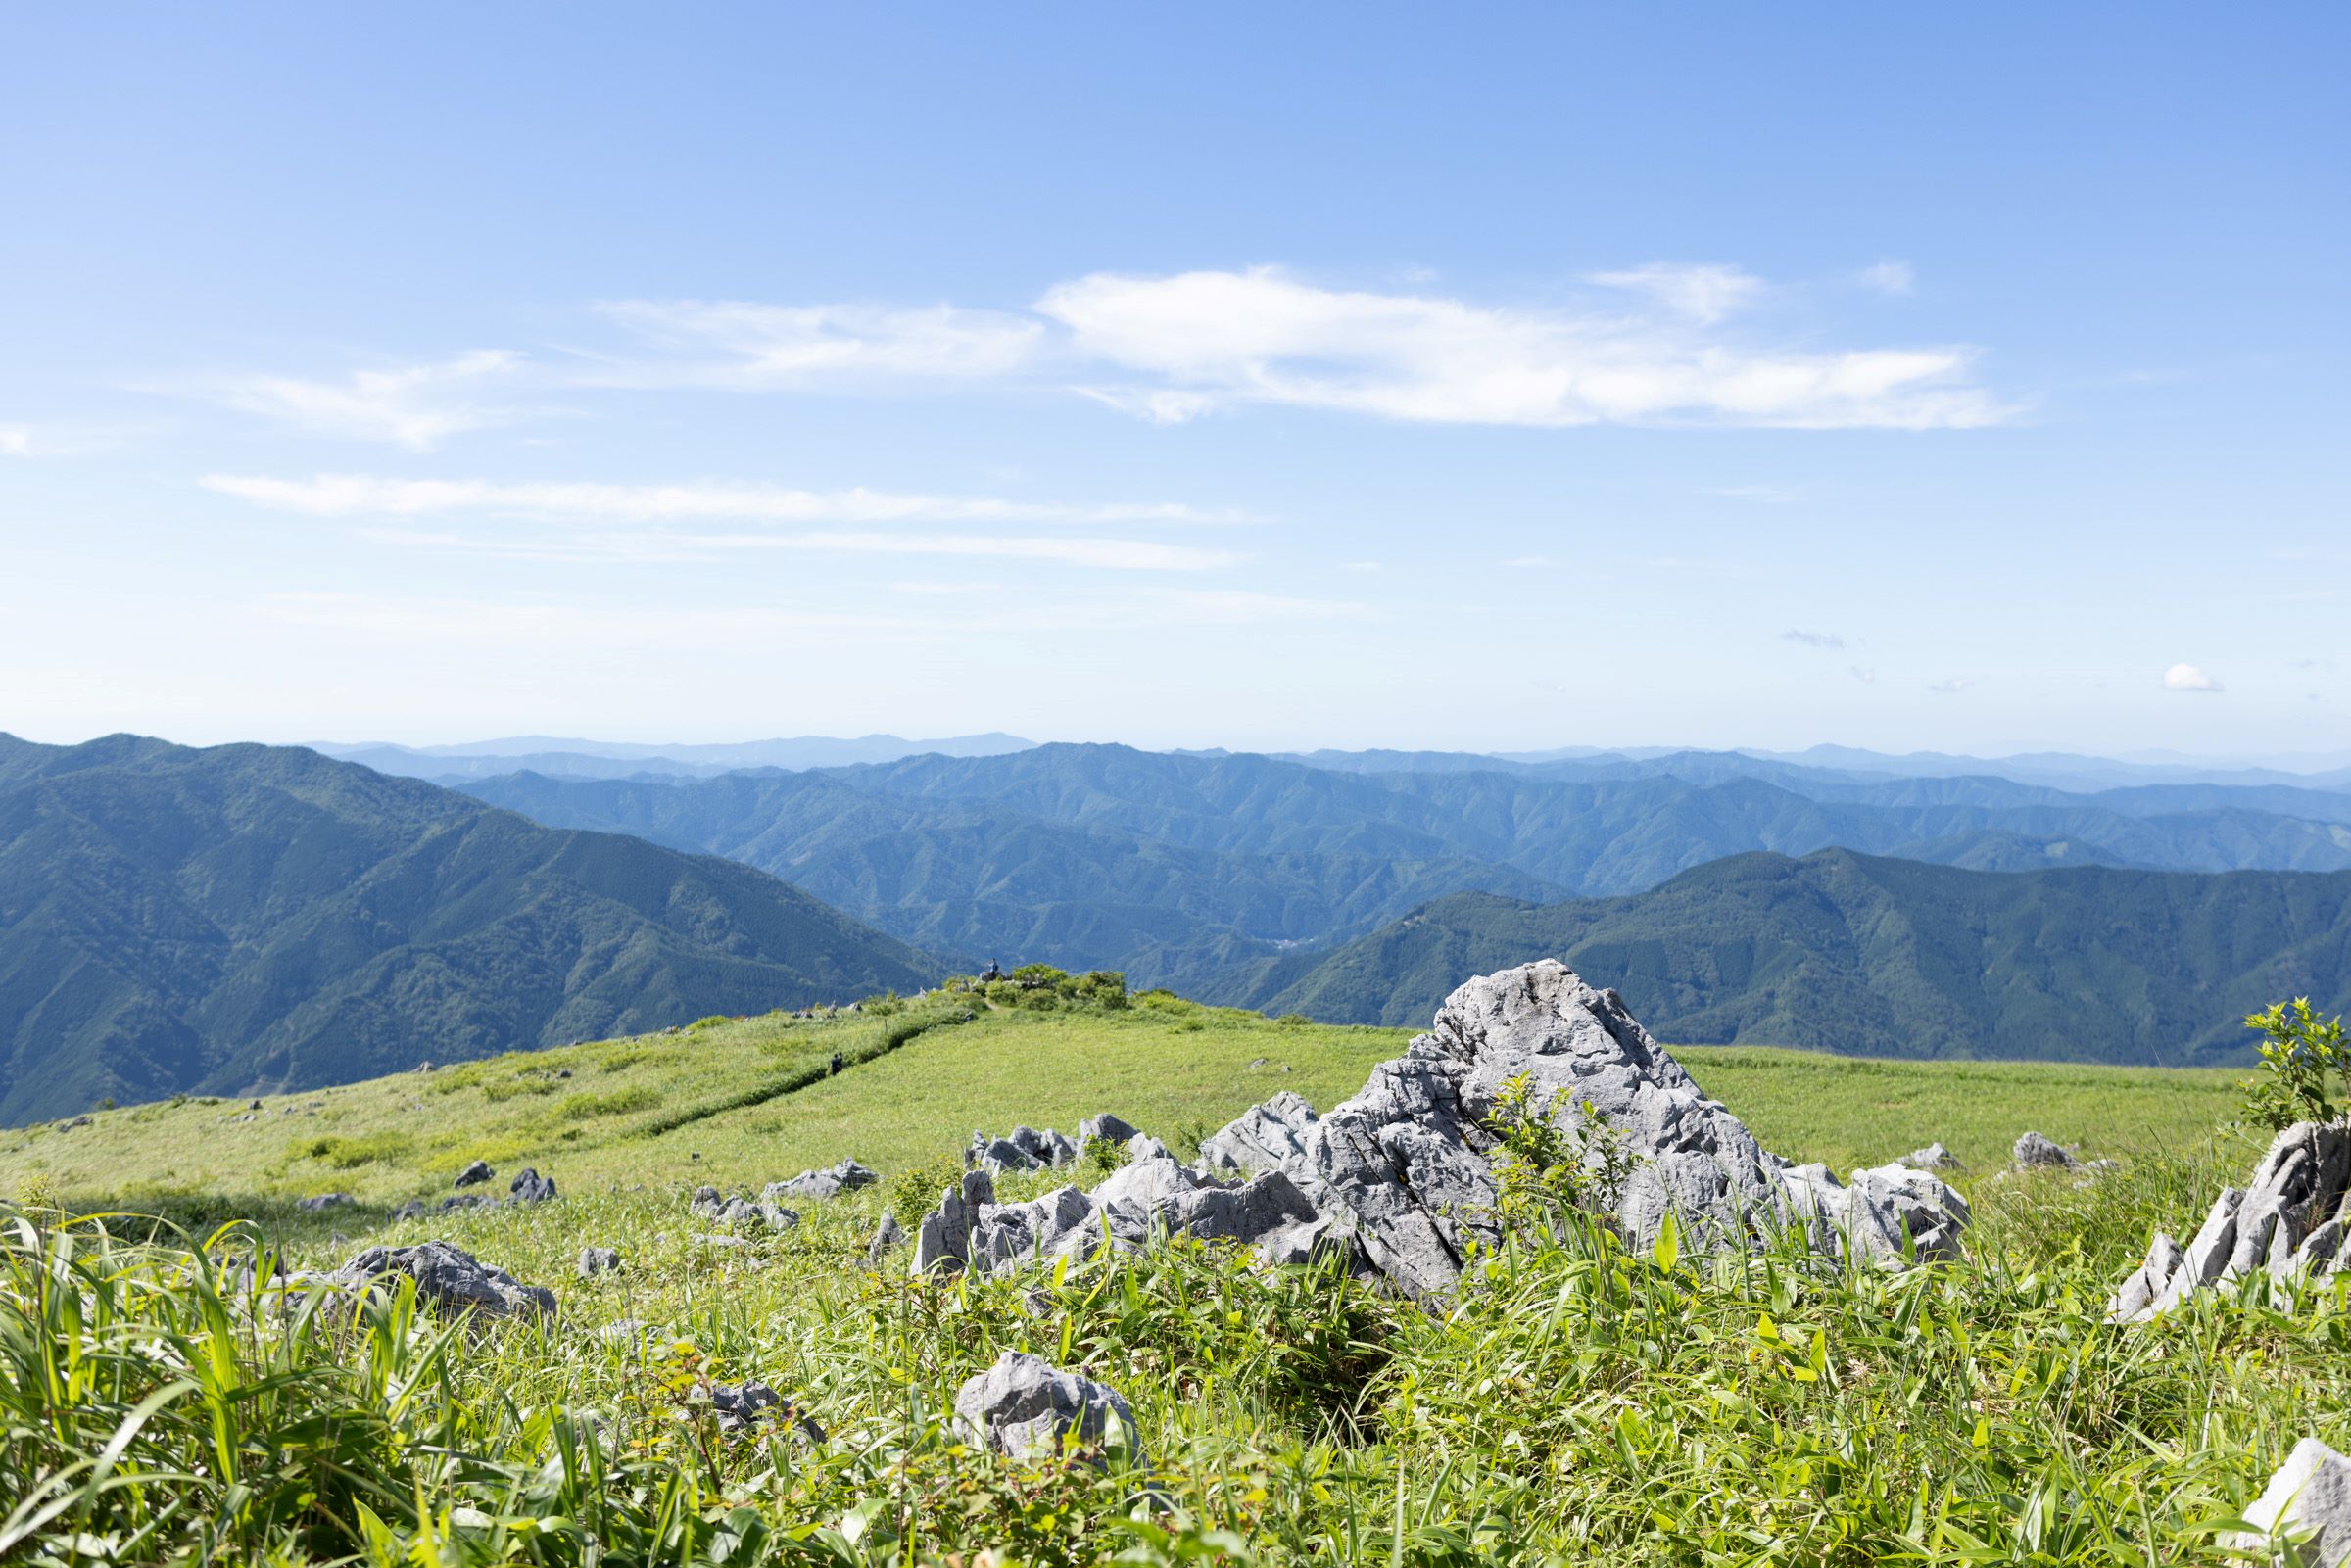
<point x="2305" y="1512"/>
<point x="1021" y="1149"/>
<point x="532" y="1188"/>
<point x="2033" y="1152"/>
<point x="1934" y="1156"/>
<point x="2289" y="1219"/>
<point x="596" y="1260"/>
<point x="889" y="1237"/>
<point x="831" y="1182"/>
<point x="476" y="1174"/>
<point x="1106" y="1127"/>
<point x="318" y="1202"/>
<point x="1027" y="1408"/>
<point x="451" y="1280"/>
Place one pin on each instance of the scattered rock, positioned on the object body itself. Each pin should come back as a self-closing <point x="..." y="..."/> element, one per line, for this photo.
<point x="424" y="1066"/>
<point x="413" y="1208"/>
<point x="244" y="1116"/>
<point x="831" y="1182"/>
<point x="476" y="1174"/>
<point x="2305" y="1510"/>
<point x="256" y="1106"/>
<point x="889" y="1237"/>
<point x="2289" y="1219"/>
<point x="705" y="1201"/>
<point x="1934" y="1156"/>
<point x="532" y="1188"/>
<point x="754" y="1404"/>
<point x="2033" y="1152"/>
<point x="594" y="1260"/>
<point x="318" y="1202"/>
<point x="451" y="1280"/>
<point x="77" y="1122"/>
<point x="1027" y="1408"/>
<point x="1116" y="1130"/>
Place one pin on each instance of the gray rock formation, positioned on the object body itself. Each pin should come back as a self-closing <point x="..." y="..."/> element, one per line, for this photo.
<point x="473" y="1175"/>
<point x="450" y="1280"/>
<point x="889" y="1237"/>
<point x="2033" y="1152"/>
<point x="2304" y="1514"/>
<point x="1934" y="1156"/>
<point x="318" y="1202"/>
<point x="2289" y="1219"/>
<point x="596" y="1260"/>
<point x="1027" y="1408"/>
<point x="1401" y="1174"/>
<point x="1111" y="1129"/>
<point x="831" y="1182"/>
<point x="1021" y="1149"/>
<point x="532" y="1188"/>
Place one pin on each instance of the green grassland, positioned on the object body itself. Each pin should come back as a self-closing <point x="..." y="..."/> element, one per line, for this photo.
<point x="744" y="1102"/>
<point x="1576" y="1402"/>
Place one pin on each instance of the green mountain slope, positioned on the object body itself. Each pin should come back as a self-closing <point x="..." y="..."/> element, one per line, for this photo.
<point x="1883" y="956"/>
<point x="1175" y="867"/>
<point x="248" y="917"/>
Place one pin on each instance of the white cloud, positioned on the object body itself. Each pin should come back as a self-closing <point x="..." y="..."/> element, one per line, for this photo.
<point x="740" y="344"/>
<point x="1703" y="294"/>
<point x="645" y="546"/>
<point x="51" y="440"/>
<point x="1813" y="640"/>
<point x="369" y="495"/>
<point x="1225" y="338"/>
<point x="413" y="406"/>
<point x="2188" y="678"/>
<point x="1887" y="277"/>
<point x="1950" y="687"/>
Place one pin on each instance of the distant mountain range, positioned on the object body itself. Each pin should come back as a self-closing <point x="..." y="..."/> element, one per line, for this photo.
<point x="249" y="918"/>
<point x="601" y="759"/>
<point x="1879" y="957"/>
<point x="1179" y="868"/>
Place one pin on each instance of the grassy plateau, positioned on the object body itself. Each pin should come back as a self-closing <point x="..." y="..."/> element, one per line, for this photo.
<point x="1576" y="1401"/>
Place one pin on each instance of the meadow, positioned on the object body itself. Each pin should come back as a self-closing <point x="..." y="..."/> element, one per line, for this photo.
<point x="1574" y="1402"/>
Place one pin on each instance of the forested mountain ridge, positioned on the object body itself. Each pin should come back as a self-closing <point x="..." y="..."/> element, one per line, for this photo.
<point x="248" y="917"/>
<point x="1876" y="956"/>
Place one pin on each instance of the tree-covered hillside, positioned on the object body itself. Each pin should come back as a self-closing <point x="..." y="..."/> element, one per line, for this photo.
<point x="1883" y="956"/>
<point x="250" y="917"/>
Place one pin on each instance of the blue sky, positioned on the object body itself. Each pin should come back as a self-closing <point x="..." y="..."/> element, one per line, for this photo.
<point x="1255" y="377"/>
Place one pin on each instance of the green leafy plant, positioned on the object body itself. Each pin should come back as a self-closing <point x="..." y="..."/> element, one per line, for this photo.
<point x="2301" y="1055"/>
<point x="1549" y="1165"/>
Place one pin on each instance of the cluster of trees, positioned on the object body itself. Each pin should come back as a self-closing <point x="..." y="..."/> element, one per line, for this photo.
<point x="1044" y="987"/>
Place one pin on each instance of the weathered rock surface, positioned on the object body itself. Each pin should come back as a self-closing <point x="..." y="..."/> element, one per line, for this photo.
<point x="318" y="1202"/>
<point x="2033" y="1152"/>
<point x="830" y="1182"/>
<point x="1026" y="1409"/>
<point x="753" y="1405"/>
<point x="1934" y="1156"/>
<point x="476" y="1174"/>
<point x="450" y="1279"/>
<point x="596" y="1260"/>
<point x="2289" y="1219"/>
<point x="1400" y="1175"/>
<point x="1111" y="1129"/>
<point x="1021" y="1149"/>
<point x="2305" y="1512"/>
<point x="532" y="1188"/>
<point x="889" y="1237"/>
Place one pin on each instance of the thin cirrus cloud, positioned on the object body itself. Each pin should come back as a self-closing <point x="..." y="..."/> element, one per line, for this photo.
<point x="1227" y="339"/>
<point x="753" y="346"/>
<point x="593" y="523"/>
<point x="1703" y="294"/>
<point x="413" y="406"/>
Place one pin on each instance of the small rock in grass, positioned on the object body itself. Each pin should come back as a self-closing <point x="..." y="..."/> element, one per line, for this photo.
<point x="754" y="1404"/>
<point x="451" y="1280"/>
<point x="888" y="1236"/>
<point x="318" y="1202"/>
<point x="2305" y="1510"/>
<point x="1027" y="1408"/>
<point x="476" y="1174"/>
<point x="2033" y="1152"/>
<point x="596" y="1260"/>
<point x="1934" y="1156"/>
<point x="830" y="1182"/>
<point x="532" y="1188"/>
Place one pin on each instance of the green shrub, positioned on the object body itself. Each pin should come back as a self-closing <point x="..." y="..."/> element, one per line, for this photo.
<point x="2300" y="1056"/>
<point x="349" y="1153"/>
<point x="614" y="1103"/>
<point x="915" y="1191"/>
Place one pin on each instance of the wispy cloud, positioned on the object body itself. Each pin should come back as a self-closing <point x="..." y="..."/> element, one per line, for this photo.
<point x="1950" y="687"/>
<point x="51" y="440"/>
<point x="1862" y="674"/>
<point x="371" y="496"/>
<point x="1887" y="277"/>
<point x="742" y="344"/>
<point x="413" y="406"/>
<point x="1813" y="640"/>
<point x="1705" y="294"/>
<point x="2188" y="678"/>
<point x="1222" y="339"/>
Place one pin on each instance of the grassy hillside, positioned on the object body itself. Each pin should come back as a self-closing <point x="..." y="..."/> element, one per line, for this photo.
<point x="1885" y="957"/>
<point x="249" y="917"/>
<point x="745" y="1103"/>
<point x="1575" y="1403"/>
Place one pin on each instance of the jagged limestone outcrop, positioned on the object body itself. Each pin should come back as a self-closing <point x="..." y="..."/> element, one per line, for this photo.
<point x="2289" y="1219"/>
